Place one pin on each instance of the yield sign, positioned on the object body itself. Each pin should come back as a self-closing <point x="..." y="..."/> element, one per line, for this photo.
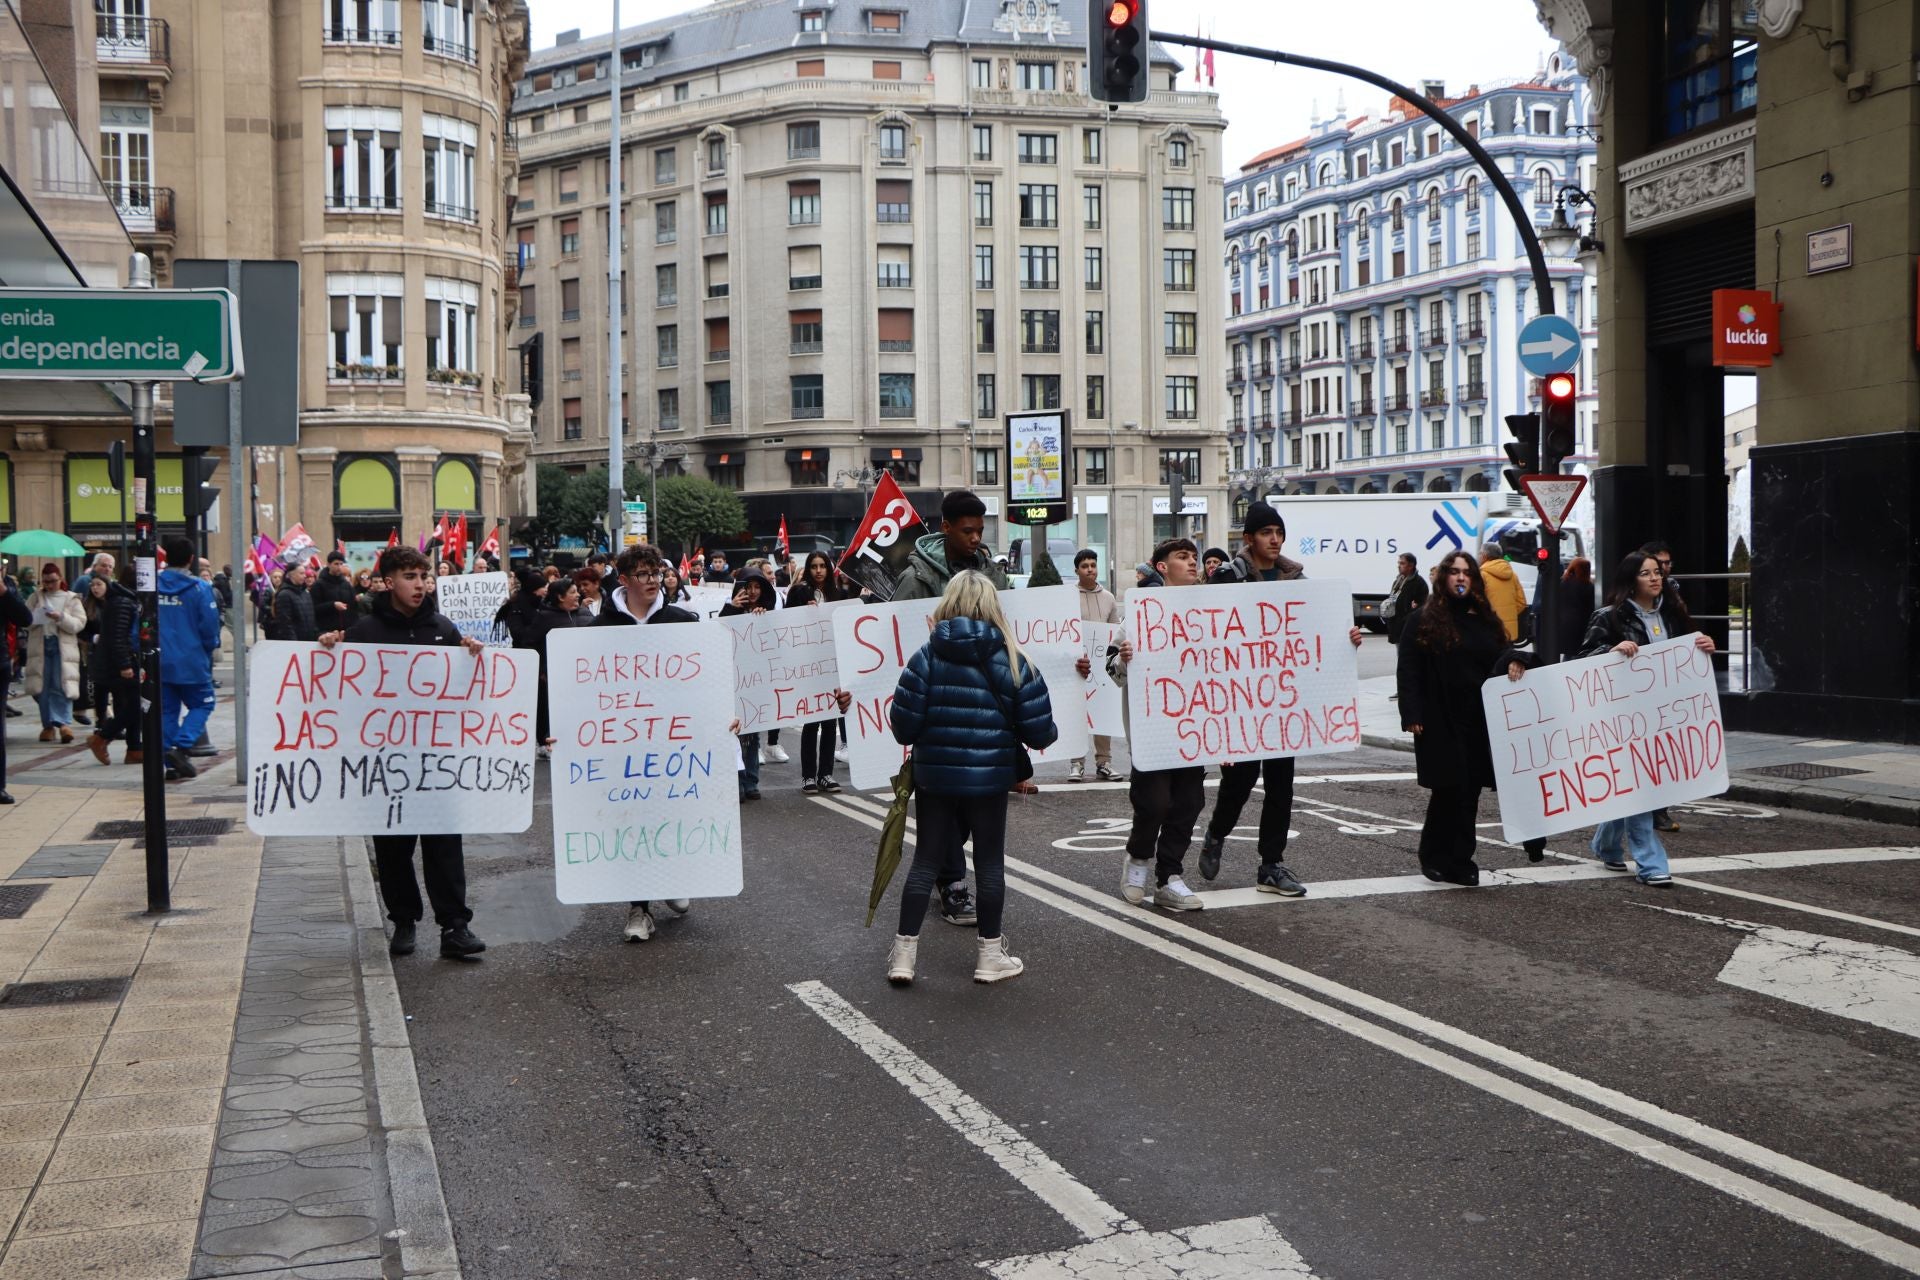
<point x="1553" y="497"/>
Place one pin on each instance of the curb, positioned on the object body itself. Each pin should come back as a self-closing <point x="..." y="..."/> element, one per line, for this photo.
<point x="1846" y="804"/>
<point x="422" y="1228"/>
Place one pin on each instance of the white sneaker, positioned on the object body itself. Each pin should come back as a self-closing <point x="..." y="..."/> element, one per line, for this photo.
<point x="1133" y="881"/>
<point x="900" y="959"/>
<point x="840" y="752"/>
<point x="680" y="906"/>
<point x="639" y="923"/>
<point x="775" y="754"/>
<point x="993" y="964"/>
<point x="1077" y="771"/>
<point x="1175" y="896"/>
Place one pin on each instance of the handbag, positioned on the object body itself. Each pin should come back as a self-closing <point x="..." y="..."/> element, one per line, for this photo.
<point x="1023" y="767"/>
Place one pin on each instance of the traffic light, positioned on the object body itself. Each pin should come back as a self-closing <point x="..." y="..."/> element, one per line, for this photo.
<point x="1524" y="449"/>
<point x="1117" y="50"/>
<point x="1520" y="544"/>
<point x="197" y="495"/>
<point x="1556" y="417"/>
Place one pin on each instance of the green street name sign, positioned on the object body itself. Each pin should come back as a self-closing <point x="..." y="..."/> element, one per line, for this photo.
<point x="119" y="335"/>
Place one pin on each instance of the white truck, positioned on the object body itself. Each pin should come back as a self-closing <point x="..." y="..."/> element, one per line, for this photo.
<point x="1360" y="536"/>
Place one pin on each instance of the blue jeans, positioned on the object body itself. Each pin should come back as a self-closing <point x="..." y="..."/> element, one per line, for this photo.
<point x="56" y="708"/>
<point x="184" y="709"/>
<point x="1642" y="845"/>
<point x="750" y="764"/>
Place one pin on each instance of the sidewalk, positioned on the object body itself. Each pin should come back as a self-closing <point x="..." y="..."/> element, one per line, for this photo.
<point x="226" y="1089"/>
<point x="1879" y="781"/>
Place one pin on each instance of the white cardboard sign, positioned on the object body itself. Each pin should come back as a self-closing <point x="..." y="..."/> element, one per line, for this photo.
<point x="367" y="739"/>
<point x="784" y="668"/>
<point x="1247" y="671"/>
<point x="874" y="643"/>
<point x="708" y="599"/>
<point x="469" y="601"/>
<point x="1106" y="700"/>
<point x="1581" y="742"/>
<point x="646" y="804"/>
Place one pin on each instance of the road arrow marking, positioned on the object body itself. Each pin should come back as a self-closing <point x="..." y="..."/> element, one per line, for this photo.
<point x="1858" y="980"/>
<point x="1556" y="345"/>
<point x="1115" y="1245"/>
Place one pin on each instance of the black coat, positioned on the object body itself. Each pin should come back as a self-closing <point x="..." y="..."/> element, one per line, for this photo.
<point x="333" y="602"/>
<point x="1440" y="692"/>
<point x="1618" y="622"/>
<point x="1572" y="609"/>
<point x="293" y="615"/>
<point x="1412" y="596"/>
<point x="521" y="613"/>
<point x="803" y="593"/>
<point x="387" y="625"/>
<point x="13" y="613"/>
<point x="117" y="648"/>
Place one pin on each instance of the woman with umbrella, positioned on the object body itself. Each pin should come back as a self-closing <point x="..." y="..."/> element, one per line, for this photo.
<point x="53" y="653"/>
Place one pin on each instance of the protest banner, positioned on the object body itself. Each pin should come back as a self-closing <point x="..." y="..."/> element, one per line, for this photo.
<point x="784" y="667"/>
<point x="646" y="803"/>
<point x="469" y="601"/>
<point x="1246" y="671"/>
<point x="707" y="599"/>
<point x="874" y="642"/>
<point x="1581" y="742"/>
<point x="366" y="739"/>
<point x="1106" y="700"/>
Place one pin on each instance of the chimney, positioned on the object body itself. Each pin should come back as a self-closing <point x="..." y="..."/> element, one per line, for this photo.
<point x="567" y="37"/>
<point x="1433" y="89"/>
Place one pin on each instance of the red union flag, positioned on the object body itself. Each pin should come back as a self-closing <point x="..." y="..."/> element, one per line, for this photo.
<point x="878" y="552"/>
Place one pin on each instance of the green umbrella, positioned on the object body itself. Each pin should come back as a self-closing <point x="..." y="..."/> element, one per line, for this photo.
<point x="893" y="835"/>
<point x="40" y="542"/>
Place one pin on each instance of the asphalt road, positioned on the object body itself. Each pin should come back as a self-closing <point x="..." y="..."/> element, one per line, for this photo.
<point x="1548" y="1076"/>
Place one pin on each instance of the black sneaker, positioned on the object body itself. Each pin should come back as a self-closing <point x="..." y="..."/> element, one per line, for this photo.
<point x="810" y="786"/>
<point x="956" y="906"/>
<point x="1210" y="849"/>
<point x="458" y="943"/>
<point x="180" y="766"/>
<point x="828" y="784"/>
<point x="401" y="944"/>
<point x="1275" y="878"/>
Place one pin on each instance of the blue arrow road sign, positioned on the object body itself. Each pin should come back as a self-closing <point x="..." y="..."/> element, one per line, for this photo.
<point x="1548" y="345"/>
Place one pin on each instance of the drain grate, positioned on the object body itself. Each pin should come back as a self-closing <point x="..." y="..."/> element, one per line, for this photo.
<point x="54" y="861"/>
<point x="75" y="991"/>
<point x="17" y="899"/>
<point x="181" y="832"/>
<point x="1804" y="772"/>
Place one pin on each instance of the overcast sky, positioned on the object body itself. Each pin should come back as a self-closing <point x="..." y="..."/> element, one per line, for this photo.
<point x="1464" y="42"/>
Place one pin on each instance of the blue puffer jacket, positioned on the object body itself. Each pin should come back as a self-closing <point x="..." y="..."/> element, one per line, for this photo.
<point x="948" y="708"/>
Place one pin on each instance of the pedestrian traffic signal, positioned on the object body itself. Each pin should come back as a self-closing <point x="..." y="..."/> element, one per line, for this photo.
<point x="197" y="495"/>
<point x="1117" y="54"/>
<point x="1524" y="449"/>
<point x="1556" y="417"/>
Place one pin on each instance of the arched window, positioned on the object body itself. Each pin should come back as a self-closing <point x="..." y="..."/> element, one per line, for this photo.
<point x="1399" y="215"/>
<point x="1433" y="203"/>
<point x="1325" y="178"/>
<point x="1405" y="486"/>
<point x="1479" y="482"/>
<point x="1543" y="186"/>
<point x="366" y="484"/>
<point x="1363" y="224"/>
<point x="455" y="487"/>
<point x="1439" y="484"/>
<point x="1293" y="242"/>
<point x="1473" y="195"/>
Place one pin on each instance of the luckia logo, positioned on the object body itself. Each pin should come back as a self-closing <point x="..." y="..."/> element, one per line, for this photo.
<point x="1747" y="314"/>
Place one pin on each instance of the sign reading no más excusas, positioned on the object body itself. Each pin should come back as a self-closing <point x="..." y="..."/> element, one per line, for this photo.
<point x="133" y="335"/>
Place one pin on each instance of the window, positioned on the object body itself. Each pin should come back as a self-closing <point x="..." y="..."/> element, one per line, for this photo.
<point x="1096" y="272"/>
<point x="1096" y="332"/>
<point x="986" y="468"/>
<point x="1177" y="153"/>
<point x="366" y="317"/>
<point x="1400" y="438"/>
<point x="896" y="395"/>
<point x="1473" y="244"/>
<point x="813" y="20"/>
<point x="348" y="22"/>
<point x="1182" y="332"/>
<point x="886" y="70"/>
<point x="523" y="193"/>
<point x="448" y="167"/>
<point x="1360" y="164"/>
<point x="1397" y="215"/>
<point x="1176" y="208"/>
<point x="807" y="398"/>
<point x="720" y="403"/>
<point x="803" y="267"/>
<point x="1091" y="147"/>
<point x="453" y="312"/>
<point x="1399" y="263"/>
<point x="569" y="184"/>
<point x="570" y="425"/>
<point x="667" y="410"/>
<point x="718" y="285"/>
<point x="1184" y="463"/>
<point x="810" y="69"/>
<point x="716" y="154"/>
<point x="983" y="330"/>
<point x="728" y="470"/>
<point x="1039" y="148"/>
<point x="569" y="359"/>
<point x="1543" y="186"/>
<point x="1039" y="267"/>
<point x="1096" y="396"/>
<point x="1036" y="76"/>
<point x="569" y="237"/>
<point x="893" y="201"/>
<point x="1476" y="428"/>
<point x="1176" y="270"/>
<point x="983" y="142"/>
<point x="805" y="332"/>
<point x="884" y="21"/>
<point x="529" y="307"/>
<point x="983" y="204"/>
<point x="983" y="73"/>
<point x="803" y="140"/>
<point x="807" y="467"/>
<point x="895" y="266"/>
<point x="1040" y="332"/>
<point x="446" y="28"/>
<point x="803" y="204"/>
<point x="664" y="167"/>
<point x="893" y="142"/>
<point x="984" y="399"/>
<point x="1039" y="205"/>
<point x="666" y="345"/>
<point x="1433" y="255"/>
<point x="570" y="299"/>
<point x="896" y="328"/>
<point x="717" y="214"/>
<point x="1183" y="398"/>
<point x="1093" y="466"/>
<point x="363" y="155"/>
<point x="1090" y="207"/>
<point x="525" y="251"/>
<point x="666" y="284"/>
<point x="983" y="266"/>
<point x="666" y="222"/>
<point x="1473" y="195"/>
<point x="1039" y="391"/>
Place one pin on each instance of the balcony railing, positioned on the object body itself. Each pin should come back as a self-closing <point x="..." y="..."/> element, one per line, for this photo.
<point x="1260" y="421"/>
<point x="1397" y="403"/>
<point x="1362" y="408"/>
<point x="135" y="41"/>
<point x="1264" y="369"/>
<point x="804" y="348"/>
<point x="569" y="314"/>
<point x="1358" y="351"/>
<point x="1472" y="331"/>
<point x="1236" y="376"/>
<point x="1433" y="397"/>
<point x="449" y="49"/>
<point x="362" y="204"/>
<point x="367" y="373"/>
<point x="144" y="209"/>
<point x="896" y="344"/>
<point x="1397" y="344"/>
<point x="457" y="212"/>
<point x="719" y="290"/>
<point x="809" y="411"/>
<point x="1470" y="391"/>
<point x="719" y="355"/>
<point x="348" y="33"/>
<point x="1433" y="338"/>
<point x="720" y="418"/>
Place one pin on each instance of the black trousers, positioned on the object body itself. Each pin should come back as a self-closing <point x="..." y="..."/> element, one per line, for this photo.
<point x="1166" y="804"/>
<point x="816" y="748"/>
<point x="1447" y="838"/>
<point x="122" y="698"/>
<point x="443" y="864"/>
<point x="1276" y="810"/>
<point x="941" y="825"/>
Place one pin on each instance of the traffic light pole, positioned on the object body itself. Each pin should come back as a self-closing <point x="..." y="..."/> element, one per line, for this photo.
<point x="1546" y="591"/>
<point x="146" y="573"/>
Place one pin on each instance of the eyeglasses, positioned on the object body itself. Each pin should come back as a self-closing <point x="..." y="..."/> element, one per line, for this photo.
<point x="1666" y="566"/>
<point x="644" y="575"/>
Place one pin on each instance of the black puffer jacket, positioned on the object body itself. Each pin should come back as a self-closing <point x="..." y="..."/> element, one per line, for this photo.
<point x="1440" y="692"/>
<point x="117" y="647"/>
<point x="1618" y="622"/>
<point x="292" y="615"/>
<point x="387" y="625"/>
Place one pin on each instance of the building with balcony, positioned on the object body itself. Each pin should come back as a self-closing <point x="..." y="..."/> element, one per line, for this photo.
<point x="367" y="143"/>
<point x="856" y="237"/>
<point x="1376" y="288"/>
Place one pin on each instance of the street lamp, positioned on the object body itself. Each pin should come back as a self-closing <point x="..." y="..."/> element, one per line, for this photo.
<point x="1560" y="237"/>
<point x="863" y="475"/>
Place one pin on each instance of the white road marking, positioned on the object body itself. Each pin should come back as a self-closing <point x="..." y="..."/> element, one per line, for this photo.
<point x="1213" y="780"/>
<point x="1865" y="922"/>
<point x="1858" y="980"/>
<point x="1116" y="1247"/>
<point x="1102" y="915"/>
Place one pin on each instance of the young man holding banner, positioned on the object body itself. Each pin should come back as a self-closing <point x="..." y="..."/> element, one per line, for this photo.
<point x="1263" y="534"/>
<point x="405" y="615"/>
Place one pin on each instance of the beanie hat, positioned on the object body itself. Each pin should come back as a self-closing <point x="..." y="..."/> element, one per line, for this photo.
<point x="1261" y="516"/>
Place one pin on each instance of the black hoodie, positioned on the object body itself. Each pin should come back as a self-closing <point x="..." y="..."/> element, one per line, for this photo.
<point x="387" y="625"/>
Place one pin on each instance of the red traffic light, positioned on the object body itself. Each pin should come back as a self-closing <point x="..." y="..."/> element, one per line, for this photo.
<point x="1120" y="12"/>
<point x="1560" y="387"/>
<point x="1541" y="555"/>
